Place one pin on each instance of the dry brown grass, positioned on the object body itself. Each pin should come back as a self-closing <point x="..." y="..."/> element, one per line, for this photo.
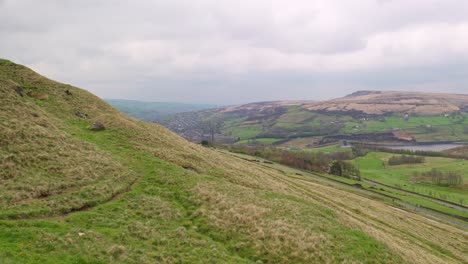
<point x="267" y="224"/>
<point x="416" y="238"/>
<point x="412" y="236"/>
<point x="43" y="169"/>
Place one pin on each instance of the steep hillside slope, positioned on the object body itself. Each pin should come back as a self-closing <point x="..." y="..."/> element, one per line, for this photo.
<point x="137" y="193"/>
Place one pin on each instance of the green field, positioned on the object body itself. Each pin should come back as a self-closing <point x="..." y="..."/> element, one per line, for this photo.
<point x="263" y="141"/>
<point x="329" y="149"/>
<point x="244" y="132"/>
<point x="387" y="123"/>
<point x="297" y="122"/>
<point x="374" y="167"/>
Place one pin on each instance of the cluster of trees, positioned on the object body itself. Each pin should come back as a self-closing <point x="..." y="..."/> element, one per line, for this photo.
<point x="359" y="151"/>
<point x="439" y="177"/>
<point x="211" y="127"/>
<point x="398" y="160"/>
<point x="316" y="162"/>
<point x="345" y="169"/>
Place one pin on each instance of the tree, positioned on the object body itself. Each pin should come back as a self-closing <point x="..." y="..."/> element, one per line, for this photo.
<point x="439" y="177"/>
<point x="345" y="169"/>
<point x="465" y="130"/>
<point x="336" y="168"/>
<point x="398" y="160"/>
<point x="211" y="127"/>
<point x="359" y="151"/>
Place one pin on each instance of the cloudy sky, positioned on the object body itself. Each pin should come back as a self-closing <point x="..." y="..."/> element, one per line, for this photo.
<point x="237" y="51"/>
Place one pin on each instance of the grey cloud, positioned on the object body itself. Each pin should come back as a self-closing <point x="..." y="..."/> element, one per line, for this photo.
<point x="240" y="51"/>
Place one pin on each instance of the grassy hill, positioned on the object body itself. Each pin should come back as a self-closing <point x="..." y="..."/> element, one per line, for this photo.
<point x="159" y="112"/>
<point x="362" y="116"/>
<point x="135" y="192"/>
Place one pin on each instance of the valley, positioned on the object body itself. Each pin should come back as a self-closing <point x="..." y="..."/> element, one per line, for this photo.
<point x="400" y="123"/>
<point x="233" y="132"/>
<point x="84" y="183"/>
<point x="401" y="118"/>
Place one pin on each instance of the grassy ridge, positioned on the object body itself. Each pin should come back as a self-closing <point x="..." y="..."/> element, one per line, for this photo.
<point x="180" y="202"/>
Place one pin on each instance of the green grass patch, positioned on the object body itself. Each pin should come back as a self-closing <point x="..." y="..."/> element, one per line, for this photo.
<point x="244" y="132"/>
<point x="329" y="149"/>
<point x="374" y="166"/>
<point x="264" y="141"/>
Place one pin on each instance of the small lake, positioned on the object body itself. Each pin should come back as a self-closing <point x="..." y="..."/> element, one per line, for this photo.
<point x="429" y="147"/>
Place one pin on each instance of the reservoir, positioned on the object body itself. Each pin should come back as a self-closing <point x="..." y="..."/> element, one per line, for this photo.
<point x="430" y="147"/>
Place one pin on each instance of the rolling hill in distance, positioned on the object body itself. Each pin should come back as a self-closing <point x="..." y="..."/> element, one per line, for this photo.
<point x="158" y="112"/>
<point x="367" y="116"/>
<point x="83" y="183"/>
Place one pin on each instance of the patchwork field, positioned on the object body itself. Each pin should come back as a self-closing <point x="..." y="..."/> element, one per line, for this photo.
<point x="397" y="117"/>
<point x="374" y="166"/>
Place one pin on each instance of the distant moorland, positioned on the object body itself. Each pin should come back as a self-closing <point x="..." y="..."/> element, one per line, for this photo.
<point x="365" y="116"/>
<point x="159" y="112"/>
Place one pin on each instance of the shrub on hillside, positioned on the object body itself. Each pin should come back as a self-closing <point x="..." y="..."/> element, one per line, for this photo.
<point x="206" y="143"/>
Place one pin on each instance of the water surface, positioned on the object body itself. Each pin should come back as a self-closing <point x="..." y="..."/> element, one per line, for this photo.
<point x="429" y="147"/>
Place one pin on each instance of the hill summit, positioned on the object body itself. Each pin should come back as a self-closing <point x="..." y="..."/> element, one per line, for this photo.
<point x="363" y="92"/>
<point x="380" y="103"/>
